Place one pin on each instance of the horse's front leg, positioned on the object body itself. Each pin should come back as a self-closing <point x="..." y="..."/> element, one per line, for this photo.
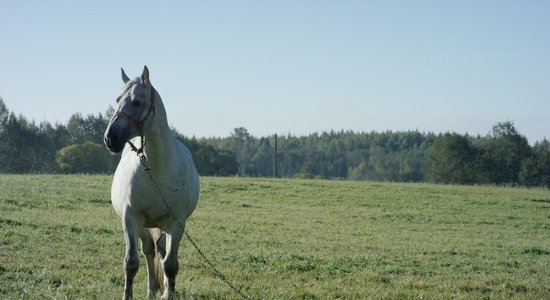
<point x="132" y="226"/>
<point x="170" y="262"/>
<point x="148" y="249"/>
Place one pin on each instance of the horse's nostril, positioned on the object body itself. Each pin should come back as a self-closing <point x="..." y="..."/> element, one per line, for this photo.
<point x="112" y="139"/>
<point x="114" y="142"/>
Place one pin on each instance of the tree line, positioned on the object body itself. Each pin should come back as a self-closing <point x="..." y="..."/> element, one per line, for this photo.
<point x="77" y="147"/>
<point x="501" y="157"/>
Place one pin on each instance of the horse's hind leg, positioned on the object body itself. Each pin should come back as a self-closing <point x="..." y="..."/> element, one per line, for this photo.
<point x="148" y="249"/>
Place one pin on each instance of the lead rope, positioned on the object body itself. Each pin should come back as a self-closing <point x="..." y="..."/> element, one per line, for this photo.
<point x="139" y="152"/>
<point x="145" y="163"/>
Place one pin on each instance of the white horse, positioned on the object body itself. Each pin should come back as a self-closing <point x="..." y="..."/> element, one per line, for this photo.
<point x="155" y="189"/>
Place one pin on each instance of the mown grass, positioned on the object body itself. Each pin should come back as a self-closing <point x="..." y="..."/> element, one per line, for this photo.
<point x="286" y="239"/>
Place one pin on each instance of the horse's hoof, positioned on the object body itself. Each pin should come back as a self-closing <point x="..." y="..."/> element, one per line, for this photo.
<point x="167" y="296"/>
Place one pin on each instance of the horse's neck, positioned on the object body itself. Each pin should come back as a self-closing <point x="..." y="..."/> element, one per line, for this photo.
<point x="159" y="140"/>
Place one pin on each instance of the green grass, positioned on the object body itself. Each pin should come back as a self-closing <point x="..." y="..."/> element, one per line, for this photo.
<point x="286" y="239"/>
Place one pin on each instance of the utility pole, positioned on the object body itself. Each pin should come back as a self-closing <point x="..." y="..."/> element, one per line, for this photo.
<point x="276" y="164"/>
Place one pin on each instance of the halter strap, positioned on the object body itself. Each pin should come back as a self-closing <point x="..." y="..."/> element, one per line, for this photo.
<point x="135" y="122"/>
<point x="139" y="125"/>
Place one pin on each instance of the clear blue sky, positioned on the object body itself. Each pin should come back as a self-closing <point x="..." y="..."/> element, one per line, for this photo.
<point x="297" y="67"/>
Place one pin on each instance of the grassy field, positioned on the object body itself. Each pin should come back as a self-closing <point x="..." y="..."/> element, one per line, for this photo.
<point x="286" y="239"/>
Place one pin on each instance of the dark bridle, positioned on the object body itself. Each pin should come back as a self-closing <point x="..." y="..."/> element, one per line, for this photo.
<point x="139" y="125"/>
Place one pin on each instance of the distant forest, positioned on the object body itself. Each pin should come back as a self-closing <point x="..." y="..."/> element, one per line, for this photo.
<point x="502" y="157"/>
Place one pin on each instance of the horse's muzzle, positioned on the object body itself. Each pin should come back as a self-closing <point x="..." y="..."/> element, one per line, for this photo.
<point x="117" y="134"/>
<point x="113" y="144"/>
<point x="114" y="141"/>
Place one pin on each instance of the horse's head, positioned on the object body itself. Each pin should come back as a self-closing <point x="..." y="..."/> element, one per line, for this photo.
<point x="134" y="111"/>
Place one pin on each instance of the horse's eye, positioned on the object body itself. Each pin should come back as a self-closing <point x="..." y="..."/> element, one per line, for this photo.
<point x="136" y="103"/>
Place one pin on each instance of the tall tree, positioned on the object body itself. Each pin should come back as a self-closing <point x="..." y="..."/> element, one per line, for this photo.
<point x="452" y="159"/>
<point x="261" y="163"/>
<point x="503" y="154"/>
<point x="241" y="145"/>
<point x="535" y="170"/>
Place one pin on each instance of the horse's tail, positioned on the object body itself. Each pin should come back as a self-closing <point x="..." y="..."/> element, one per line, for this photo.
<point x="160" y="246"/>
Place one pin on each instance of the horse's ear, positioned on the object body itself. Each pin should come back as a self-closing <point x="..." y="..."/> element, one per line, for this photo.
<point x="124" y="76"/>
<point x="145" y="76"/>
